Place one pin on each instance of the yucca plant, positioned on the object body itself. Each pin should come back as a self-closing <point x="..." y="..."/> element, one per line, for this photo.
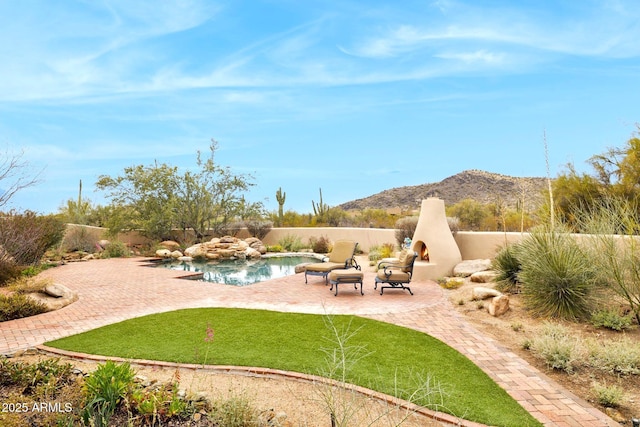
<point x="558" y="279"/>
<point x="507" y="266"/>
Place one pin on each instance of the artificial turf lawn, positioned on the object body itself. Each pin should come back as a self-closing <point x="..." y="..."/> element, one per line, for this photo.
<point x="396" y="357"/>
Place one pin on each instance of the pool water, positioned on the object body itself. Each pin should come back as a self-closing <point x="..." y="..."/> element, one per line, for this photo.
<point x="241" y="272"/>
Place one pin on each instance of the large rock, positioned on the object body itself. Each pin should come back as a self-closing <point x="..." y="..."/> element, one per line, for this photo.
<point x="227" y="247"/>
<point x="170" y="244"/>
<point x="486" y="276"/>
<point x="163" y="253"/>
<point x="467" y="268"/>
<point x="498" y="305"/>
<point x="480" y="293"/>
<point x="54" y="296"/>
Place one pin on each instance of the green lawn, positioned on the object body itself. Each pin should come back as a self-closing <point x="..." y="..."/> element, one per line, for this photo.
<point x="396" y="358"/>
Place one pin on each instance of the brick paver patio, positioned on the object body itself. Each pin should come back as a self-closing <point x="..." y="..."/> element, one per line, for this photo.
<point x="117" y="289"/>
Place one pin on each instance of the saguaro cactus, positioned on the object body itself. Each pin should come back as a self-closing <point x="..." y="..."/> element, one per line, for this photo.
<point x="320" y="209"/>
<point x="280" y="197"/>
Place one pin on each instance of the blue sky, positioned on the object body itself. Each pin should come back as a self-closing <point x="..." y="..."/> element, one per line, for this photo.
<point x="354" y="97"/>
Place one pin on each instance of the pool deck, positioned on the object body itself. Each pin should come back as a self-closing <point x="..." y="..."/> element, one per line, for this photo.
<point x="117" y="289"/>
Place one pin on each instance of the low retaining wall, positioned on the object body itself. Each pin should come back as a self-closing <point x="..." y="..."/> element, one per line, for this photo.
<point x="472" y="244"/>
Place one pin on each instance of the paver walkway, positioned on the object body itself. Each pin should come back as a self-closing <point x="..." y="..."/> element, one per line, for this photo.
<point x="117" y="289"/>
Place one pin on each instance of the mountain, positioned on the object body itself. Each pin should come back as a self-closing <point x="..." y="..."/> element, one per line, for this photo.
<point x="484" y="187"/>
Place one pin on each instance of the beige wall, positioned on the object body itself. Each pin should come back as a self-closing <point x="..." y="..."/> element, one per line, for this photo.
<point x="483" y="245"/>
<point x="365" y="237"/>
<point x="473" y="245"/>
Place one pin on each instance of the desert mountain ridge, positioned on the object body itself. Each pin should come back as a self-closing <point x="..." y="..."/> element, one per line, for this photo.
<point x="481" y="186"/>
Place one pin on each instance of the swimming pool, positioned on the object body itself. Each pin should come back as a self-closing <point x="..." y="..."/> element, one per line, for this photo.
<point x="241" y="272"/>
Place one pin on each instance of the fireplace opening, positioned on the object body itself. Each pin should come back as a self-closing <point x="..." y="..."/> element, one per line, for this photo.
<point x="422" y="250"/>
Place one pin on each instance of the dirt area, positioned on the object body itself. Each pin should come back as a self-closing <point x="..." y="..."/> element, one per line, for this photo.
<point x="286" y="402"/>
<point x="516" y="326"/>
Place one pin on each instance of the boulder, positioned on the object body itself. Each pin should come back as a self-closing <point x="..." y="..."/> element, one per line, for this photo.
<point x="480" y="293"/>
<point x="486" y="276"/>
<point x="498" y="305"/>
<point x="163" y="253"/>
<point x="57" y="291"/>
<point x="176" y="254"/>
<point x="170" y="244"/>
<point x="467" y="268"/>
<point x="54" y="296"/>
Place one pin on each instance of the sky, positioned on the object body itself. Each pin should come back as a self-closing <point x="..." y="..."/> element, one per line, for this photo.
<point x="350" y="97"/>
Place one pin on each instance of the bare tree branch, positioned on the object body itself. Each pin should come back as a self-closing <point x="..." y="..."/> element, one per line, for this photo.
<point x="14" y="175"/>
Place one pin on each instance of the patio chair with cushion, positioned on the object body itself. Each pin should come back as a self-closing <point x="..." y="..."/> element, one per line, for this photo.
<point x="396" y="274"/>
<point x="341" y="256"/>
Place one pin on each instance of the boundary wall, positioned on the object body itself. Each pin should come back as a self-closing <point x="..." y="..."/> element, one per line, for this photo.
<point x="472" y="244"/>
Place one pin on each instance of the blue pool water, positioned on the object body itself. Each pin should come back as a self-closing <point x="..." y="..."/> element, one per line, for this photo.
<point x="241" y="272"/>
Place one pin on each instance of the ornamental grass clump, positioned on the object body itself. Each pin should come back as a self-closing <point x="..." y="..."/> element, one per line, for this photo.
<point x="507" y="265"/>
<point x="558" y="279"/>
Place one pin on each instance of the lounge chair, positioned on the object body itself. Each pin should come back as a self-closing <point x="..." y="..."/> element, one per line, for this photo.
<point x="340" y="257"/>
<point x="396" y="274"/>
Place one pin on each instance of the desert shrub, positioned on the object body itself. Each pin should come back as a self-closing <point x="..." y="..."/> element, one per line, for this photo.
<point x="609" y="396"/>
<point x="17" y="306"/>
<point x="81" y="239"/>
<point x="387" y="250"/>
<point x="258" y="228"/>
<point x="611" y="319"/>
<point x="274" y="248"/>
<point x="235" y="411"/>
<point x="8" y="270"/>
<point x="291" y="243"/>
<point x="557" y="347"/>
<point x="507" y="266"/>
<point x="25" y="237"/>
<point x="454" y="224"/>
<point x="320" y="245"/>
<point x="231" y="228"/>
<point x="405" y="227"/>
<point x="105" y="388"/>
<point x="375" y="253"/>
<point x="115" y="250"/>
<point x="613" y="247"/>
<point x="558" y="279"/>
<point x="620" y="356"/>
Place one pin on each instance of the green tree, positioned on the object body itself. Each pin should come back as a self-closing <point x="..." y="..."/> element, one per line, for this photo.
<point x="615" y="174"/>
<point x="159" y="199"/>
<point x="472" y="214"/>
<point x="150" y="193"/>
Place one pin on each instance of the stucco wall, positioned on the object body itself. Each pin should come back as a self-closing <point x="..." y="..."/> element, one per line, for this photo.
<point x="473" y="245"/>
<point x="365" y="237"/>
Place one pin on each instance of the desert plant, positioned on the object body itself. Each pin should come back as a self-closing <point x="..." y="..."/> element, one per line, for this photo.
<point x="236" y="410"/>
<point x="374" y="253"/>
<point x="558" y="279"/>
<point x="610" y="396"/>
<point x="25" y="237"/>
<point x="17" y="306"/>
<point x="405" y="227"/>
<point x="280" y="197"/>
<point x="291" y="243"/>
<point x="507" y="265"/>
<point x="258" y="228"/>
<point x="557" y="347"/>
<point x="115" y="250"/>
<point x="620" y="356"/>
<point x="320" y="245"/>
<point x="615" y="256"/>
<point x="82" y="239"/>
<point x="387" y="250"/>
<point x="611" y="319"/>
<point x="105" y="388"/>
